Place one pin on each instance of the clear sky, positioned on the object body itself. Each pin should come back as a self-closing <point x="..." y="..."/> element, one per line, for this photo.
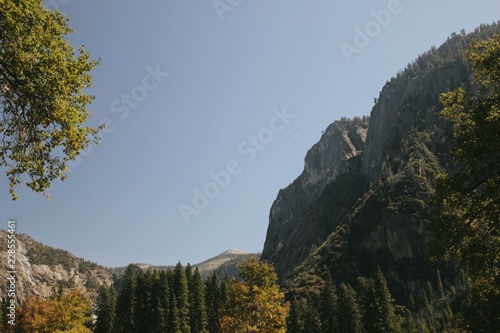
<point x="250" y="87"/>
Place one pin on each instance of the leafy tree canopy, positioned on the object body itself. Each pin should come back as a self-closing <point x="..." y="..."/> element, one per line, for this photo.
<point x="256" y="304"/>
<point x="42" y="99"/>
<point x="70" y="312"/>
<point x="469" y="199"/>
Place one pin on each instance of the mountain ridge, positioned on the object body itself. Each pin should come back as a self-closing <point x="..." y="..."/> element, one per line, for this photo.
<point x="370" y="208"/>
<point x="43" y="270"/>
<point x="225" y="264"/>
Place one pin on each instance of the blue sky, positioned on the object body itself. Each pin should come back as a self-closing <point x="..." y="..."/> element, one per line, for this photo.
<point x="238" y="92"/>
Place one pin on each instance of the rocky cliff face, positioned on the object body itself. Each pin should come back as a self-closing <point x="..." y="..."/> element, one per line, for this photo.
<point x="291" y="235"/>
<point x="42" y="270"/>
<point x="362" y="199"/>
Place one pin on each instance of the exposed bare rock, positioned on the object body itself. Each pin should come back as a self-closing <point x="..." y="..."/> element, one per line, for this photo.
<point x="42" y="270"/>
<point x="291" y="233"/>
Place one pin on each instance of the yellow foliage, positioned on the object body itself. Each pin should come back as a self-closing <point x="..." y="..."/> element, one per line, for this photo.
<point x="67" y="313"/>
<point x="256" y="304"/>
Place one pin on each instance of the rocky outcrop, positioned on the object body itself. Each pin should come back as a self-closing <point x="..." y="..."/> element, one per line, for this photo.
<point x="291" y="235"/>
<point x="43" y="271"/>
<point x="225" y="265"/>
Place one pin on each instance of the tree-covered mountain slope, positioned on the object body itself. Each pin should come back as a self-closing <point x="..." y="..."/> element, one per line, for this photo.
<point x="362" y="200"/>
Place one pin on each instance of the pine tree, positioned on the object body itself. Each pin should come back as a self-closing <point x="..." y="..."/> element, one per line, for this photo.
<point x="197" y="309"/>
<point x="412" y="305"/>
<point x="213" y="303"/>
<point x="159" y="301"/>
<point x="368" y="304"/>
<point x="106" y="303"/>
<point x="328" y="306"/>
<point x="144" y="306"/>
<point x="312" y="321"/>
<point x="126" y="302"/>
<point x="189" y="272"/>
<point x="387" y="319"/>
<point x="224" y="287"/>
<point x="173" y="323"/>
<point x="180" y="288"/>
<point x="350" y="320"/>
<point x="429" y="291"/>
<point x="163" y="289"/>
<point x="303" y="317"/>
<point x="295" y="320"/>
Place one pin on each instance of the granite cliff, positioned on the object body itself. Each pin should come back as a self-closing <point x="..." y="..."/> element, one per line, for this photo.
<point x="43" y="270"/>
<point x="362" y="199"/>
<point x="294" y="227"/>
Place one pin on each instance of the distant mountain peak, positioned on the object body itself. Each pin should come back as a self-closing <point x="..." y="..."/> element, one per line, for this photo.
<point x="234" y="252"/>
